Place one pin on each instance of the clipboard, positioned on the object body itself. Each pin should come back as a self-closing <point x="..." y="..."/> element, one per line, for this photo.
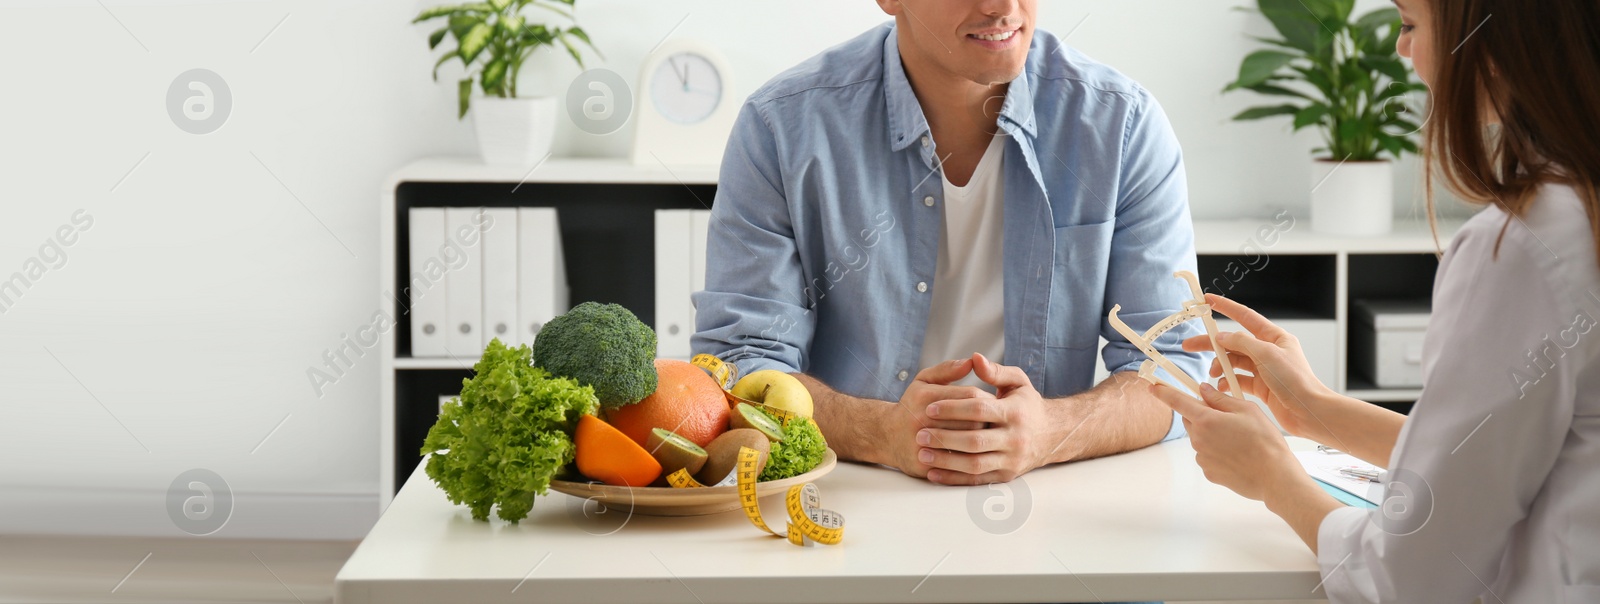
<point x="1323" y="465"/>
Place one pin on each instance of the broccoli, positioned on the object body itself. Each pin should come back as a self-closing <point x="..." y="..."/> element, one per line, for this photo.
<point x="604" y="346"/>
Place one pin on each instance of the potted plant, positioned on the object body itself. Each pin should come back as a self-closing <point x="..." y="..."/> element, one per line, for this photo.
<point x="1347" y="79"/>
<point x="492" y="41"/>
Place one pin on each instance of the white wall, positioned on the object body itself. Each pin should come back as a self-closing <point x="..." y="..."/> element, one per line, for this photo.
<point x="177" y="332"/>
<point x="1184" y="52"/>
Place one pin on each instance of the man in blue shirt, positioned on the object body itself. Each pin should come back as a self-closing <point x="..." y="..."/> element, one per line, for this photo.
<point x="955" y="181"/>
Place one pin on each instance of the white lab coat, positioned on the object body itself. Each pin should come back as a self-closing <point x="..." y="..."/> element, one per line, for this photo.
<point x="1506" y="436"/>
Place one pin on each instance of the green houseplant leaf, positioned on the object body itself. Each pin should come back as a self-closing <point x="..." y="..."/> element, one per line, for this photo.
<point x="1349" y="72"/>
<point x="1375" y="20"/>
<point x="1256" y="113"/>
<point x="435" y="12"/>
<point x="1298" y="25"/>
<point x="494" y="74"/>
<point x="572" y="50"/>
<point x="462" y="22"/>
<point x="445" y="58"/>
<point x="475" y="40"/>
<point x="493" y="40"/>
<point x="1260" y="65"/>
<point x="577" y="32"/>
<point x="1310" y="115"/>
<point x="1275" y="90"/>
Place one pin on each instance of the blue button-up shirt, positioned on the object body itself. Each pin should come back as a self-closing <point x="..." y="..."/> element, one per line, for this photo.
<point x="824" y="235"/>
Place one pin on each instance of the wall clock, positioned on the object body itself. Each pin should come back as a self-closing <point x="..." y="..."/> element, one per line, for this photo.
<point x="687" y="109"/>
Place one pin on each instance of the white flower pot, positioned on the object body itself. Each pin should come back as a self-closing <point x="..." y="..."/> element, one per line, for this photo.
<point x="1353" y="198"/>
<point x="514" y="131"/>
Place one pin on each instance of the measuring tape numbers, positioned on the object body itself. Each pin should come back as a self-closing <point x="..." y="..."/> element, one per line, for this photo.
<point x="809" y="524"/>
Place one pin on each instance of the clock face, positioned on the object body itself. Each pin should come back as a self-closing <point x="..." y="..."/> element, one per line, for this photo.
<point x="686" y="88"/>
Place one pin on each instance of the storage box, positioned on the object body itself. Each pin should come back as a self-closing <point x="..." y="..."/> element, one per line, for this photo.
<point x="1386" y="341"/>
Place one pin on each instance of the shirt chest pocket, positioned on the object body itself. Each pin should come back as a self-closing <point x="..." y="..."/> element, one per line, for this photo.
<point x="1079" y="272"/>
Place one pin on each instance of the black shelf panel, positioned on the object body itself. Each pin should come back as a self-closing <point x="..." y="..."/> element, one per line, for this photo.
<point x="416" y="408"/>
<point x="1393" y="276"/>
<point x="1283" y="286"/>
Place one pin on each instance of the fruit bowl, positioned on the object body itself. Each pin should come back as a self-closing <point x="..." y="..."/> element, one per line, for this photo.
<point x="667" y="501"/>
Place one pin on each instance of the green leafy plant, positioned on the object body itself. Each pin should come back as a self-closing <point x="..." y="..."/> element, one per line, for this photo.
<point x="493" y="40"/>
<point x="1344" y="77"/>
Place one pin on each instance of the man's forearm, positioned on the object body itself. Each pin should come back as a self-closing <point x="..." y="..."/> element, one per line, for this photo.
<point x="850" y="424"/>
<point x="1118" y="415"/>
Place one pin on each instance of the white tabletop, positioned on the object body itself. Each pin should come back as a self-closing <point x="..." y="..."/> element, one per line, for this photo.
<point x="1139" y="526"/>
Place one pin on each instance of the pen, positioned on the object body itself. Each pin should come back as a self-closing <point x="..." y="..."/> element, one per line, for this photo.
<point x="1361" y="474"/>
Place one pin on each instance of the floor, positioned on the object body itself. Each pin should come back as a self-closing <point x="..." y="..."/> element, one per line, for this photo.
<point x="49" y="570"/>
<point x="93" y="569"/>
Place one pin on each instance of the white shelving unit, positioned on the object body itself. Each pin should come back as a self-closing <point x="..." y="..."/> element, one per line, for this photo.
<point x="470" y="170"/>
<point x="577" y="170"/>
<point x="1216" y="239"/>
<point x="1227" y="238"/>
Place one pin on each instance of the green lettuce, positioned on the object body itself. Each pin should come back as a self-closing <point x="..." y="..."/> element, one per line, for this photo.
<point x="800" y="451"/>
<point x="508" y="433"/>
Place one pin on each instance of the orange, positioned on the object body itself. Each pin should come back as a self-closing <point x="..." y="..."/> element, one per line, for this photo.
<point x="606" y="455"/>
<point x="686" y="401"/>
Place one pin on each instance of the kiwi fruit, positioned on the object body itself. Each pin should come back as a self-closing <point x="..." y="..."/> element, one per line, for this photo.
<point x="722" y="455"/>
<point x="747" y="416"/>
<point x="675" y="452"/>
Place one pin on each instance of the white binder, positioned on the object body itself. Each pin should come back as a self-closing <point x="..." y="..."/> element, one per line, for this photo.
<point x="427" y="287"/>
<point x="700" y="223"/>
<point x="500" y="276"/>
<point x="465" y="335"/>
<point x="542" y="292"/>
<point x="674" y="282"/>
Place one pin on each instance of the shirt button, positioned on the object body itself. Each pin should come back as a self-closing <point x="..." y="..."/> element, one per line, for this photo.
<point x="926" y="141"/>
<point x="922" y="287"/>
<point x="928" y="201"/>
<point x="902" y="375"/>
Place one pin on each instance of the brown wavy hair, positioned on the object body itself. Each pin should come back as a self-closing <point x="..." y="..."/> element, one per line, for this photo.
<point x="1535" y="65"/>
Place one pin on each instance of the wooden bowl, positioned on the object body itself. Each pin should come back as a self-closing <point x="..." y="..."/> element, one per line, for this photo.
<point x="667" y="501"/>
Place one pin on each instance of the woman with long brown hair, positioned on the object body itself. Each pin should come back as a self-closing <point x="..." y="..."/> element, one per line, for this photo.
<point x="1492" y="488"/>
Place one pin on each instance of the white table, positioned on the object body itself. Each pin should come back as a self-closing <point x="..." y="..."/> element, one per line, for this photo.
<point x="1139" y="526"/>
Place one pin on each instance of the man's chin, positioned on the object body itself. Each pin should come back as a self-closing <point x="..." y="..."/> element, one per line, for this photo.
<point x="997" y="76"/>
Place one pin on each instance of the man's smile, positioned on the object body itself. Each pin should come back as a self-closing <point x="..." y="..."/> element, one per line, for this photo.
<point x="995" y="38"/>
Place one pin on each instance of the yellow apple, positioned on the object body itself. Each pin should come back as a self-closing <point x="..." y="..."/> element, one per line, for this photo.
<point x="775" y="389"/>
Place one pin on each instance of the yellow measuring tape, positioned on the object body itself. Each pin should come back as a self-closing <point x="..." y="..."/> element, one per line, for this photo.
<point x="809" y="524"/>
<point x="726" y="376"/>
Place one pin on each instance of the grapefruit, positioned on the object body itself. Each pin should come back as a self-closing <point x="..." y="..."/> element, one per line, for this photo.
<point x="686" y="401"/>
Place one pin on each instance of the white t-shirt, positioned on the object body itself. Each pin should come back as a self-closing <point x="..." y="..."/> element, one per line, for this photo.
<point x="968" y="313"/>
